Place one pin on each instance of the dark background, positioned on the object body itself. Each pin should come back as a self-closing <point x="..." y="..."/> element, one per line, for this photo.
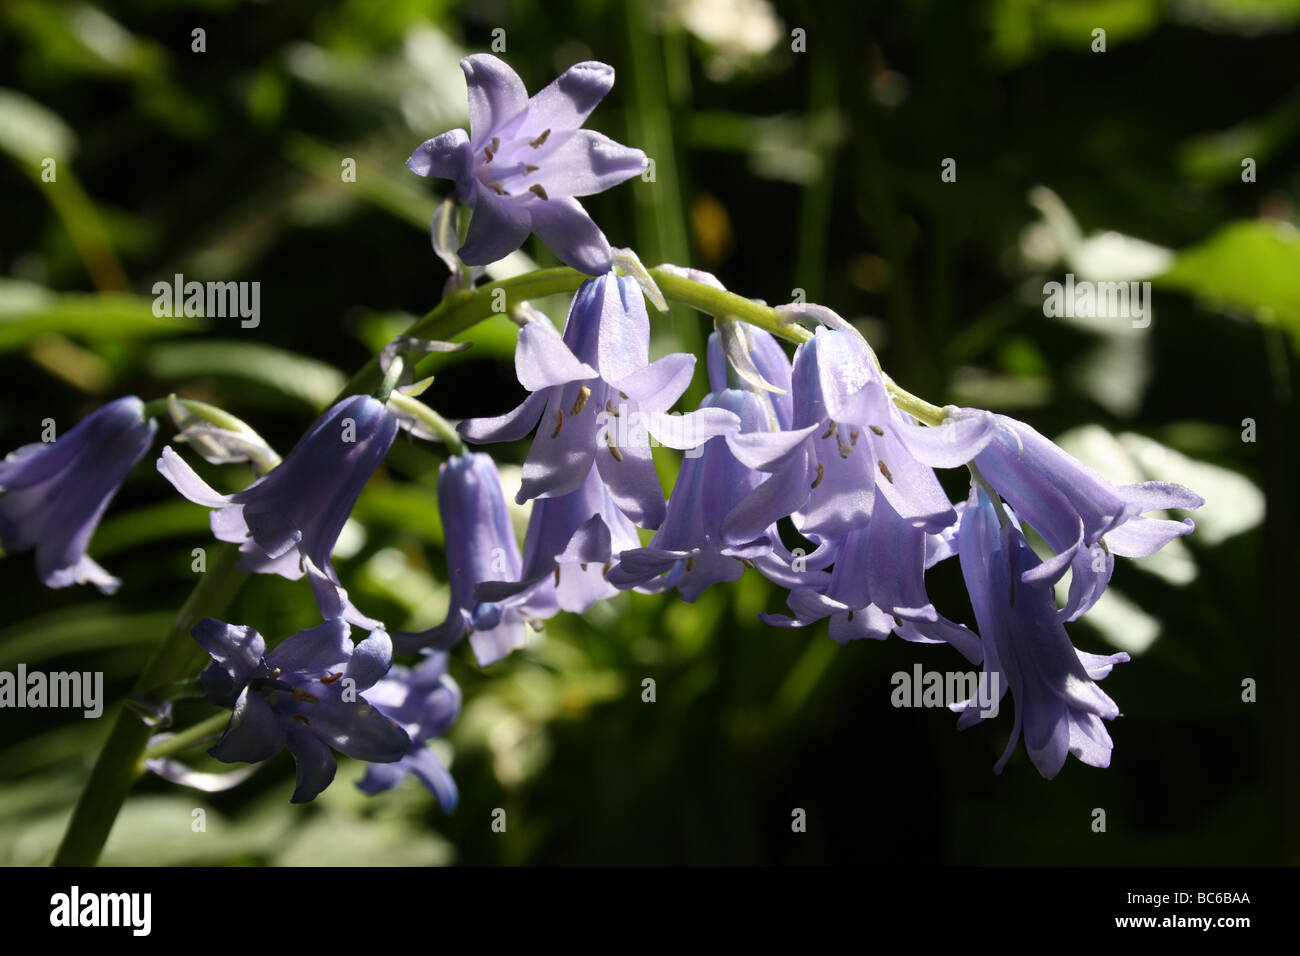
<point x="778" y="170"/>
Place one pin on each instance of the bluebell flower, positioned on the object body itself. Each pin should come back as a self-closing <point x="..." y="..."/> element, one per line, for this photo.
<point x="54" y="493"/>
<point x="856" y="443"/>
<point x="571" y="543"/>
<point x="877" y="587"/>
<point x="288" y="521"/>
<point x="689" y="551"/>
<point x="1084" y="518"/>
<point x="600" y="399"/>
<point x="480" y="544"/>
<point x="1058" y="706"/>
<point x="424" y="701"/>
<point x="304" y="695"/>
<point x="525" y="160"/>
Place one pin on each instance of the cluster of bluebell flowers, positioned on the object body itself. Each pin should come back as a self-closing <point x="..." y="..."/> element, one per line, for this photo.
<point x="815" y="445"/>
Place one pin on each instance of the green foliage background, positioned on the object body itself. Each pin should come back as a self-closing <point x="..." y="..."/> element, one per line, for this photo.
<point x="778" y="170"/>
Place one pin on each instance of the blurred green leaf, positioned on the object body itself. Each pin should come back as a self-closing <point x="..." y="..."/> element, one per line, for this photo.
<point x="288" y="373"/>
<point x="29" y="312"/>
<point x="91" y="626"/>
<point x="1250" y="266"/>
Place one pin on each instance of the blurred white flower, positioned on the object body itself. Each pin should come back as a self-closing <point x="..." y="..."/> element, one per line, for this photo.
<point x="737" y="31"/>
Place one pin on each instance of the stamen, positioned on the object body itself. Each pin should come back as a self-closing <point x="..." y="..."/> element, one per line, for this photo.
<point x="559" y="422"/>
<point x="302" y="719"/>
<point x="305" y="697"/>
<point x="830" y="430"/>
<point x="330" y="678"/>
<point x="884" y="470"/>
<point x="609" y="407"/>
<point x="583" y="565"/>
<point x="605" y="568"/>
<point x="845" y="450"/>
<point x="821" y="473"/>
<point x="537" y="143"/>
<point x="613" y="449"/>
<point x="850" y="614"/>
<point x="487" y="151"/>
<point x="557" y="575"/>
<point x="496" y="144"/>
<point x="537" y="190"/>
<point x="581" y="401"/>
<point x="690" y="563"/>
<point x="496" y="188"/>
<point x="530" y="168"/>
<point x="878" y="430"/>
<point x="853" y="437"/>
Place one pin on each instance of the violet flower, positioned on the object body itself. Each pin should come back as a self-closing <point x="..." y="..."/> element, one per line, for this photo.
<point x="1058" y="706"/>
<point x="688" y="550"/>
<point x="877" y="587"/>
<point x="54" y="493"/>
<point x="1084" y="518"/>
<point x="600" y="399"/>
<point x="304" y="695"/>
<point x="857" y="444"/>
<point x="525" y="160"/>
<point x="480" y="546"/>
<point x="424" y="701"/>
<point x="288" y="521"/>
<point x="571" y="543"/>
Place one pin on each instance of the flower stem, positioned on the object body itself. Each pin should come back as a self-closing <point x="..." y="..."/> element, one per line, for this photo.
<point x="190" y="736"/>
<point x="422" y="413"/>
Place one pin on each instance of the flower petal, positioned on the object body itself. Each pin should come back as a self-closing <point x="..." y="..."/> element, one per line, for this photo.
<point x="499" y="226"/>
<point x="566" y="229"/>
<point x="542" y="359"/>
<point x="587" y="163"/>
<point x="496" y="95"/>
<point x="443" y="157"/>
<point x="314" y="766"/>
<point x="511" y="426"/>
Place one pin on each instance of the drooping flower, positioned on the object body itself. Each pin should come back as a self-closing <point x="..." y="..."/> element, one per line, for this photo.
<point x="480" y="545"/>
<point x="858" y="444"/>
<point x="688" y="550"/>
<point x="571" y="542"/>
<point x="304" y="695"/>
<point x="877" y="587"/>
<point x="525" y="160"/>
<point x="53" y="494"/>
<point x="425" y="701"/>
<point x="1086" y="519"/>
<point x="600" y="399"/>
<point x="288" y="521"/>
<point x="1058" y="706"/>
